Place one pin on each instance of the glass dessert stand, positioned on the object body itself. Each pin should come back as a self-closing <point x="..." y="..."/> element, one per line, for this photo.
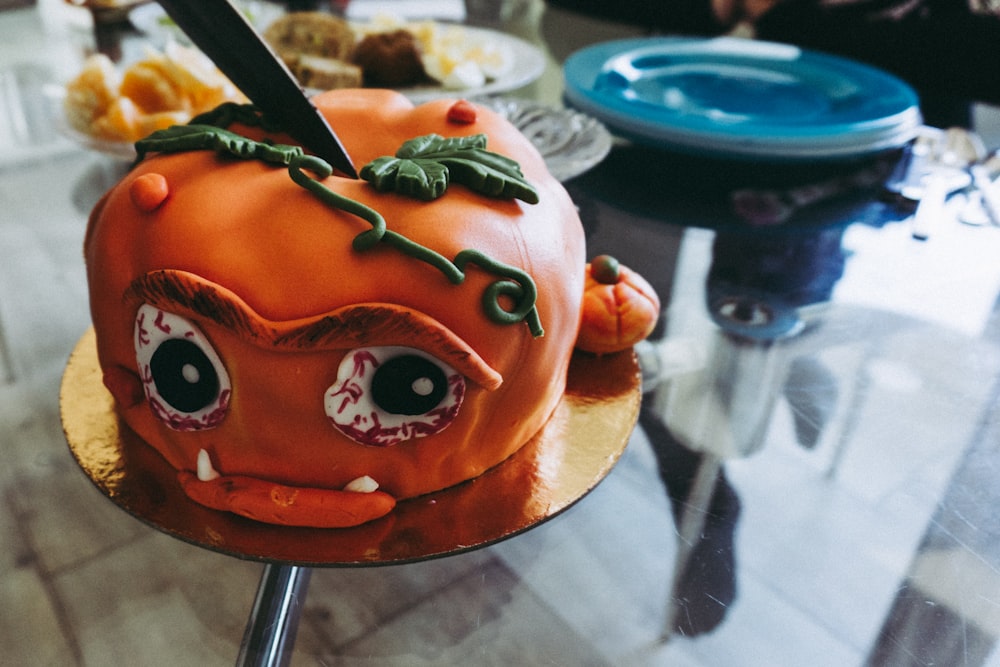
<point x="574" y="451"/>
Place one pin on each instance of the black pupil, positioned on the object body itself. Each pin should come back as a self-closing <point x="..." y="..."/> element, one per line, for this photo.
<point x="409" y="385"/>
<point x="184" y="375"/>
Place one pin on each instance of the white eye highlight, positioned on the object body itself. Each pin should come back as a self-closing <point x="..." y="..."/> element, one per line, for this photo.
<point x="186" y="384"/>
<point x="386" y="395"/>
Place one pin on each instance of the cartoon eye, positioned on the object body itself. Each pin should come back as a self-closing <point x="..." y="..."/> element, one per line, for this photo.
<point x="385" y="395"/>
<point x="185" y="382"/>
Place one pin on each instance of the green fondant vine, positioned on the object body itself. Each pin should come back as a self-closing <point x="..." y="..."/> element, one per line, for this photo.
<point x="422" y="168"/>
<point x="208" y="137"/>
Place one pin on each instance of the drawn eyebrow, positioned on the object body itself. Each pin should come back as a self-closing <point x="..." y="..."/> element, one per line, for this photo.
<point x="357" y="325"/>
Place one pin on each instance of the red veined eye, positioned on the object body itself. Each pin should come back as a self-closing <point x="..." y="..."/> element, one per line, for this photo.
<point x="184" y="380"/>
<point x="386" y="395"/>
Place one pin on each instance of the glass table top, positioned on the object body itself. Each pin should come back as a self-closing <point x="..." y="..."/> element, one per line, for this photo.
<point x="812" y="479"/>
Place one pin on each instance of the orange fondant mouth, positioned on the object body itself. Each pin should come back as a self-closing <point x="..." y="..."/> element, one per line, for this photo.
<point x="271" y="502"/>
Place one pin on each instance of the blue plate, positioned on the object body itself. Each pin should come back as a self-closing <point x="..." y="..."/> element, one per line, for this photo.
<point x="741" y="98"/>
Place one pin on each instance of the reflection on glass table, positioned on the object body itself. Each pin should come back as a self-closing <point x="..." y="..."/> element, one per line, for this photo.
<point x="822" y="390"/>
<point x="864" y="398"/>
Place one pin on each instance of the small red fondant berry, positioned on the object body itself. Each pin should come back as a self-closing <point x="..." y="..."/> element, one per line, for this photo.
<point x="462" y="112"/>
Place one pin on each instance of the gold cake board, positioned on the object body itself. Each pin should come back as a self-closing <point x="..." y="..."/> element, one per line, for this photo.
<point x="574" y="451"/>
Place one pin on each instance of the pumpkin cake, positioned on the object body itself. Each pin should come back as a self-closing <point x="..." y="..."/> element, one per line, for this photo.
<point x="307" y="349"/>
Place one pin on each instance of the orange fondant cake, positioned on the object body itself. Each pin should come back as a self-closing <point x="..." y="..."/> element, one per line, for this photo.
<point x="306" y="348"/>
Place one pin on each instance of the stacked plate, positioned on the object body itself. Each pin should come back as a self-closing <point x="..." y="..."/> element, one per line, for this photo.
<point x="739" y="98"/>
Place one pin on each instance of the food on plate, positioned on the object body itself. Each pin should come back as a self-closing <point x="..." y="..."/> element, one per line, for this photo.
<point x="161" y="90"/>
<point x="390" y="51"/>
<point x="321" y="73"/>
<point x="456" y="57"/>
<point x="314" y="33"/>
<point x="390" y="59"/>
<point x="317" y="49"/>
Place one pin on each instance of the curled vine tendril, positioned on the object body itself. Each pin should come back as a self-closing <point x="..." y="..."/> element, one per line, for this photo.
<point x="514" y="284"/>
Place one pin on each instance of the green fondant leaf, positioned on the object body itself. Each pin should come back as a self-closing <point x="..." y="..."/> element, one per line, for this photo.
<point x="424" y="166"/>
<point x="488" y="180"/>
<point x="434" y="145"/>
<point x="420" y="179"/>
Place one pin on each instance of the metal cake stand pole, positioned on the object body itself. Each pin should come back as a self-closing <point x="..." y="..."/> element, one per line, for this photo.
<point x="274" y="618"/>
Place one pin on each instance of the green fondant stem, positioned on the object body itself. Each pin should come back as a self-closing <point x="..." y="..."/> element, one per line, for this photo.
<point x="425" y="254"/>
<point x="362" y="241"/>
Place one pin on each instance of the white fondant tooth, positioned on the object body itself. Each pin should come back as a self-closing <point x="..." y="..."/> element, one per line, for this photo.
<point x="363" y="484"/>
<point x="206" y="472"/>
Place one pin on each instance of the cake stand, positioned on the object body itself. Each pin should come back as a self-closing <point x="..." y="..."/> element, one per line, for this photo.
<point x="573" y="452"/>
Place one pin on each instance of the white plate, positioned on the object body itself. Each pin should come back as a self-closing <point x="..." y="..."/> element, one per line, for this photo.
<point x="121" y="150"/>
<point x="528" y="61"/>
<point x="151" y="20"/>
<point x="570" y="142"/>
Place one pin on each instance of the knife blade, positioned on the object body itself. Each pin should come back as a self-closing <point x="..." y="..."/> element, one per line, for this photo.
<point x="222" y="32"/>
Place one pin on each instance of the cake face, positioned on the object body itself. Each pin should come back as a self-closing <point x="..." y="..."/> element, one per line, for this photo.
<point x="252" y="331"/>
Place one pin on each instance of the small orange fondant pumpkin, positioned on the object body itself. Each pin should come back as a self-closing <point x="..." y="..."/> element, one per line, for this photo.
<point x="619" y="307"/>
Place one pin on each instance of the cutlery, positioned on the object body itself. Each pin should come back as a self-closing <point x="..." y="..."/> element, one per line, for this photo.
<point x="906" y="180"/>
<point x="988" y="189"/>
<point x="222" y="32"/>
<point x="948" y="172"/>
